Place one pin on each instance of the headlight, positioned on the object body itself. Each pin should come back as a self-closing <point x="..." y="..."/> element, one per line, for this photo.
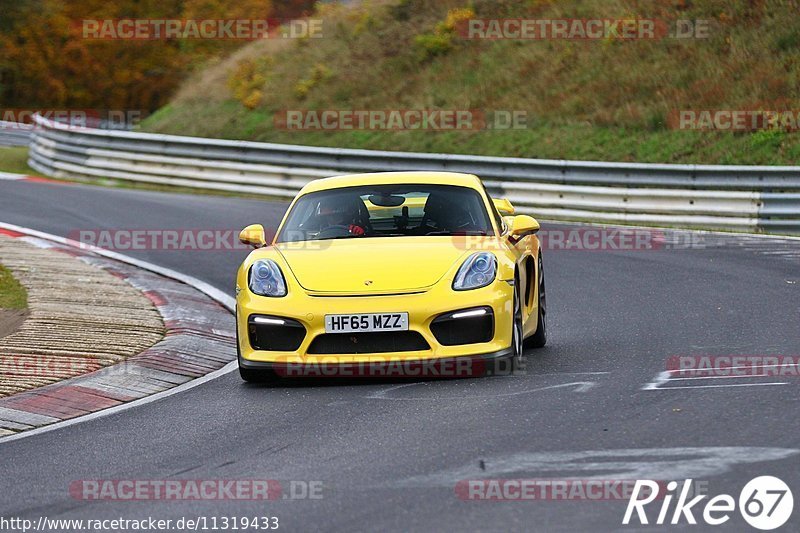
<point x="477" y="271"/>
<point x="266" y="279"/>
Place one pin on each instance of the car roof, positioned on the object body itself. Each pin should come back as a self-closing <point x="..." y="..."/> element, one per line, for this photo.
<point x="389" y="178"/>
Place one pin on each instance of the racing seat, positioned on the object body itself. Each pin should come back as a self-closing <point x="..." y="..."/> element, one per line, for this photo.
<point x="441" y="214"/>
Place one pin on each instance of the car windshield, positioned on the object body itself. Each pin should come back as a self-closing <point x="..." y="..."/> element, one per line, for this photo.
<point x="386" y="211"/>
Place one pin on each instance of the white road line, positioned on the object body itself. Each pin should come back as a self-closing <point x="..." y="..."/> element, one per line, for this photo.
<point x="381" y="395"/>
<point x="10" y="176"/>
<point x="661" y="378"/>
<point x="212" y="292"/>
<point x="666" y="376"/>
<point x="646" y="463"/>
<point x="573" y="374"/>
<point x="723" y="377"/>
<point x="728" y="368"/>
<point x="580" y="386"/>
<point x="718" y="386"/>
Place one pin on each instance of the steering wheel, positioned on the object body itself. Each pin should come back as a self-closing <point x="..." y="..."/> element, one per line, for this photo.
<point x="334" y="231"/>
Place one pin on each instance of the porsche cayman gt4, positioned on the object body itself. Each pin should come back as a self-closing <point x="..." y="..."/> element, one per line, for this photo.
<point x="397" y="270"/>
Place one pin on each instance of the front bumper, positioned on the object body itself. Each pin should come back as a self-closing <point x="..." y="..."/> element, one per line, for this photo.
<point x="422" y="308"/>
<point x="496" y="363"/>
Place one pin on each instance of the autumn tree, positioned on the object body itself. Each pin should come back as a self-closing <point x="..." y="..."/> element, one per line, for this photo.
<point x="46" y="61"/>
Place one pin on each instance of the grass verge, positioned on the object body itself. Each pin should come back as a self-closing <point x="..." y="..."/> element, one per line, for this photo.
<point x="14" y="159"/>
<point x="12" y="294"/>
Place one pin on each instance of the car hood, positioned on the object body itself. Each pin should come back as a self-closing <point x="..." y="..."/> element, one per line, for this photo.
<point x="372" y="265"/>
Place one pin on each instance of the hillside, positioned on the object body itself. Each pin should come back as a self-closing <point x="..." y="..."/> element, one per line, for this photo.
<point x="608" y="99"/>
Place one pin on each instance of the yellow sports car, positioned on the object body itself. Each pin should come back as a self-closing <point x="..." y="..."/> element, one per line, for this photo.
<point x="416" y="274"/>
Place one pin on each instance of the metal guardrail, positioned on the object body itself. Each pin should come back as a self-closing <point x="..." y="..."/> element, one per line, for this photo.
<point x="744" y="198"/>
<point x="14" y="133"/>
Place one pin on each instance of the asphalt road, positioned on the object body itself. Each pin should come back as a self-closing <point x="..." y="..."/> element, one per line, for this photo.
<point x="389" y="457"/>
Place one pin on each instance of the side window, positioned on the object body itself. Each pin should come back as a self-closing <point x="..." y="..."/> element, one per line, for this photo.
<point x="501" y="224"/>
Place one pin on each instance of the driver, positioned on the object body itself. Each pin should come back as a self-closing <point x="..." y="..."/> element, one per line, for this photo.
<point x="337" y="212"/>
<point x="445" y="214"/>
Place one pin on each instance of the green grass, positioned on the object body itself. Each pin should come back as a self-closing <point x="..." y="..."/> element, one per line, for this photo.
<point x="596" y="100"/>
<point x="544" y="141"/>
<point x="14" y="159"/>
<point x="12" y="294"/>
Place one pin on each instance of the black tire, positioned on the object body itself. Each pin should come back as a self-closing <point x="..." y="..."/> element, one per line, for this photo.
<point x="252" y="376"/>
<point x="539" y="339"/>
<point x="258" y="376"/>
<point x="517" y="332"/>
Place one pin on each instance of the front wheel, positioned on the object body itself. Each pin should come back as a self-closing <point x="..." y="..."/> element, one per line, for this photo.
<point x="517" y="331"/>
<point x="539" y="339"/>
<point x="254" y="376"/>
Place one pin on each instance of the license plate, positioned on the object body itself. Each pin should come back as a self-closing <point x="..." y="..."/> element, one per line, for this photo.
<point x="366" y="322"/>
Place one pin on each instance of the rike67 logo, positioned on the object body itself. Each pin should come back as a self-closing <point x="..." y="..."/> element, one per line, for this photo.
<point x="765" y="503"/>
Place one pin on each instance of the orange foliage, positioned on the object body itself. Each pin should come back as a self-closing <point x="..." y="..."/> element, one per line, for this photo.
<point x="46" y="62"/>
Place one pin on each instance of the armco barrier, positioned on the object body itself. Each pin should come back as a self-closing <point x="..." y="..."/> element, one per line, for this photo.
<point x="15" y="134"/>
<point x="743" y="198"/>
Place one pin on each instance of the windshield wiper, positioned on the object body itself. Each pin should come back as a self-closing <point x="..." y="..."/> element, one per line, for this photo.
<point x="457" y="233"/>
<point x="337" y="237"/>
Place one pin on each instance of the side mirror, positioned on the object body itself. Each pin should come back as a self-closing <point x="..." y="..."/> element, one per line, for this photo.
<point x="253" y="235"/>
<point x="504" y="207"/>
<point x="522" y="225"/>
